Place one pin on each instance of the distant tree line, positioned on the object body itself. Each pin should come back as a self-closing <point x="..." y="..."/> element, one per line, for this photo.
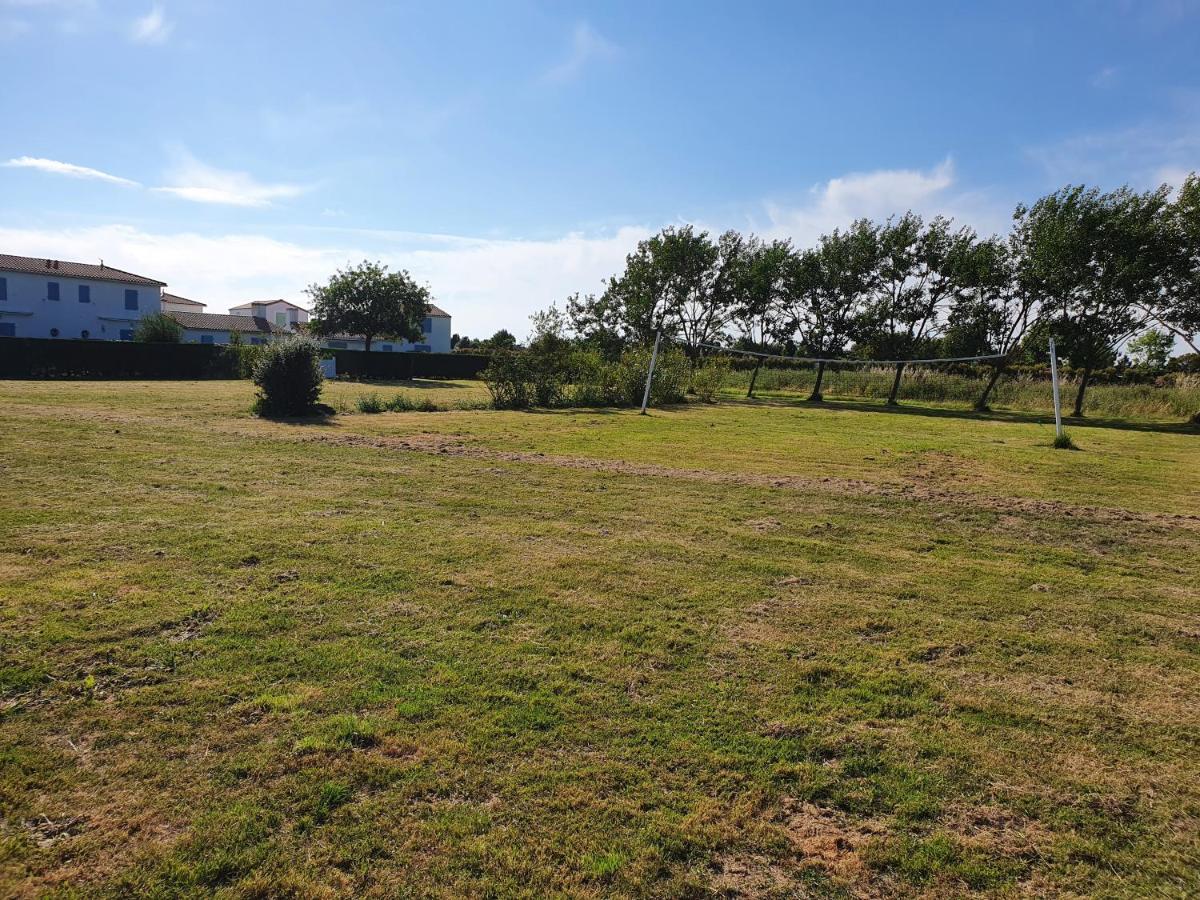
<point x="1094" y="269"/>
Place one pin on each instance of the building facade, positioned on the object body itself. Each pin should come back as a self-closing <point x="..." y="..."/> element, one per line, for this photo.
<point x="49" y="298"/>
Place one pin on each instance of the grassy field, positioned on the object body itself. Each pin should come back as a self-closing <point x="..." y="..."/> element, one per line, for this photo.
<point x="750" y="649"/>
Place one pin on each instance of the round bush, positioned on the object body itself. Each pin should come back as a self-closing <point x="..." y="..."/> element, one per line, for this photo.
<point x="288" y="375"/>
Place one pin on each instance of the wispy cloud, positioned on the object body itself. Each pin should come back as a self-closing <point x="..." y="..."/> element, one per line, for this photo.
<point x="11" y="29"/>
<point x="152" y="28"/>
<point x="587" y="46"/>
<point x="55" y="167"/>
<point x="1138" y="155"/>
<point x="201" y="183"/>
<point x="1106" y="77"/>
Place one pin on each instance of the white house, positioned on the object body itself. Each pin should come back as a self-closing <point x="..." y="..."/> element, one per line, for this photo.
<point x="50" y="298"/>
<point x="435" y="328"/>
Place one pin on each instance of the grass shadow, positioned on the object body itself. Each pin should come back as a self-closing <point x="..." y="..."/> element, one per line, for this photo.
<point x="418" y="384"/>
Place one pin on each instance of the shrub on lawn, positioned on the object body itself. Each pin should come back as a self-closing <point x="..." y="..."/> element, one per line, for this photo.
<point x="158" y="328"/>
<point x="556" y="378"/>
<point x="288" y="375"/>
<point x="371" y="403"/>
<point x="709" y="377"/>
<point x="402" y="403"/>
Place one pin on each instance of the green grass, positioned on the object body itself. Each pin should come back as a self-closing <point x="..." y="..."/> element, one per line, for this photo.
<point x="592" y="653"/>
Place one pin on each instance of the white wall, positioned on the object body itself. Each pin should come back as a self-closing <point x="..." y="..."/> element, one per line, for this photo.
<point x="437" y="339"/>
<point x="32" y="312"/>
<point x="269" y="310"/>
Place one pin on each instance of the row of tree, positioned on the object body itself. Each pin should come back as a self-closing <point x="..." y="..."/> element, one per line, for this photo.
<point x="1091" y="268"/>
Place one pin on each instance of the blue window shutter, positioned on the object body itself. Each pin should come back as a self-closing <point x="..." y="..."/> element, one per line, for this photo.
<point x="85" y="293"/>
<point x="206" y="338"/>
<point x="8" y="329"/>
<point x="131" y="299"/>
<point x="3" y="288"/>
<point x="51" y="290"/>
<point x="427" y="326"/>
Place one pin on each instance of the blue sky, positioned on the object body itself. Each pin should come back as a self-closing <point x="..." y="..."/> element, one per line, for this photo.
<point x="511" y="153"/>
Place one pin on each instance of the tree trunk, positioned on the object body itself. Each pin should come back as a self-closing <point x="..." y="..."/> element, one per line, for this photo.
<point x="754" y="378"/>
<point x="891" y="401"/>
<point x="815" y="396"/>
<point x="1087" y="373"/>
<point x="981" y="405"/>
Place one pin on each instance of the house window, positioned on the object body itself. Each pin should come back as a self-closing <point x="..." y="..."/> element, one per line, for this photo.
<point x="51" y="290"/>
<point x="206" y="338"/>
<point x="256" y="340"/>
<point x="427" y="326"/>
<point x="337" y="345"/>
<point x="85" y="293"/>
<point x="3" y="288"/>
<point x="131" y="299"/>
<point x="127" y="334"/>
<point x="8" y="329"/>
<point x="386" y="348"/>
<point x="281" y="319"/>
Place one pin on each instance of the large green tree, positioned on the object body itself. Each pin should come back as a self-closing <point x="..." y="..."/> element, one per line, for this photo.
<point x="825" y="291"/>
<point x="991" y="314"/>
<point x="1096" y="263"/>
<point x="369" y="300"/>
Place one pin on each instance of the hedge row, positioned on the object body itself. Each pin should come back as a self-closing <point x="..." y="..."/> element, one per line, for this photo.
<point x="403" y="366"/>
<point x="45" y="358"/>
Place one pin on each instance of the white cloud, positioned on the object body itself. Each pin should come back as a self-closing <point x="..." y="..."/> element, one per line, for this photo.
<point x="485" y="283"/>
<point x="152" y="28"/>
<point x="587" y="46"/>
<point x="202" y="183"/>
<point x="1106" y="77"/>
<point x="69" y="169"/>
<point x="878" y="195"/>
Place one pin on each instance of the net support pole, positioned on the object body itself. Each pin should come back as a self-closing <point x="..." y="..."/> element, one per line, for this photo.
<point x="1054" y="381"/>
<point x="650" y="374"/>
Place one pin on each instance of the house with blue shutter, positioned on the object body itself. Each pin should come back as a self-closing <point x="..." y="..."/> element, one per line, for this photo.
<point x="50" y="298"/>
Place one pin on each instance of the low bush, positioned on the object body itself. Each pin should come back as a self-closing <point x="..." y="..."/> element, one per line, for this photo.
<point x="371" y="403"/>
<point x="572" y="377"/>
<point x="288" y="375"/>
<point x="402" y="403"/>
<point x="710" y="377"/>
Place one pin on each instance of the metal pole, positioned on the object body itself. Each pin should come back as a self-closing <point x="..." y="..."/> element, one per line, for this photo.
<point x="1054" y="378"/>
<point x="650" y="374"/>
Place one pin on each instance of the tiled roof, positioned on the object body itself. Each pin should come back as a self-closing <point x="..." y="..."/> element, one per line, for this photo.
<point x="438" y="311"/>
<point x="38" y="266"/>
<point x="215" y="322"/>
<point x="180" y="301"/>
<point x="267" y="303"/>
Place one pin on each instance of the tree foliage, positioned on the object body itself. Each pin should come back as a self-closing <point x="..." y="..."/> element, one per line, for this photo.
<point x="158" y="328"/>
<point x="369" y="300"/>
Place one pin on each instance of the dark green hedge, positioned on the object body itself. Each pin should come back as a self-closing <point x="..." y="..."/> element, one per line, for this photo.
<point x="45" y="358"/>
<point x="403" y="366"/>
